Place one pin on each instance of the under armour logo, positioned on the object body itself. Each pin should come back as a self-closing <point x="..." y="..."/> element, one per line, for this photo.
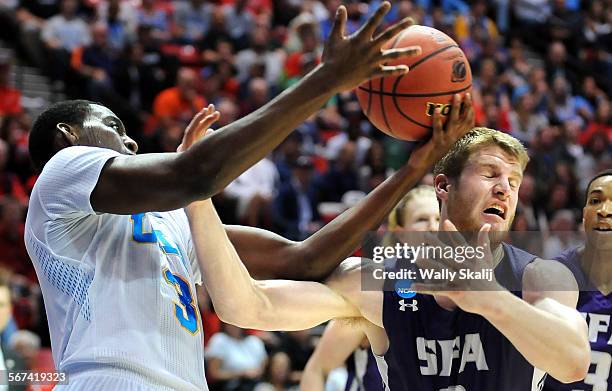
<point x="412" y="305"/>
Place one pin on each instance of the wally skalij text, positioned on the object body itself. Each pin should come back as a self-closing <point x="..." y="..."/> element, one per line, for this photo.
<point x="430" y="274"/>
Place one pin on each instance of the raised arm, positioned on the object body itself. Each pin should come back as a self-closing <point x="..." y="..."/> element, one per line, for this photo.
<point x="170" y="181"/>
<point x="337" y="343"/>
<point x="268" y="255"/>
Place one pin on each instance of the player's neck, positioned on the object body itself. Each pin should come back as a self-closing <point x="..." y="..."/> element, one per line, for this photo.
<point x="595" y="263"/>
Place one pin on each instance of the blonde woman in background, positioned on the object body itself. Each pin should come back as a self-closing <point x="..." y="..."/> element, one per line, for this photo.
<point x="341" y="343"/>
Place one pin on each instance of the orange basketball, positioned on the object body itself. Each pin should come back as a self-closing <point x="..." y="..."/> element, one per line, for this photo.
<point x="403" y="106"/>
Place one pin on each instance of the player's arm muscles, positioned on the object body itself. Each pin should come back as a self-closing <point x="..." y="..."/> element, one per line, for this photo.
<point x="131" y="184"/>
<point x="240" y="300"/>
<point x="545" y="327"/>
<point x="167" y="181"/>
<point x="337" y="343"/>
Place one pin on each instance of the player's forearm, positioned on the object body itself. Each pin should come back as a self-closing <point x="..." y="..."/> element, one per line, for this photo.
<point x="222" y="156"/>
<point x="229" y="284"/>
<point x="550" y="335"/>
<point x="264" y="305"/>
<point x="320" y="254"/>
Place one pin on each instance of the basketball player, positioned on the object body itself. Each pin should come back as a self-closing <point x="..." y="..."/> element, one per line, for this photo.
<point x="479" y="337"/>
<point x="340" y="343"/>
<point x="112" y="253"/>
<point x="592" y="266"/>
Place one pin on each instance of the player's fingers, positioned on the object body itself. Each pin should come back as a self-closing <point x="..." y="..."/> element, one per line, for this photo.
<point x="438" y="123"/>
<point x="455" y="109"/>
<point x="339" y="23"/>
<point x="370" y="26"/>
<point x="394" y="30"/>
<point x="483" y="235"/>
<point x="197" y="118"/>
<point x="394" y="54"/>
<point x="390" y="71"/>
<point x="469" y="110"/>
<point x="208" y="120"/>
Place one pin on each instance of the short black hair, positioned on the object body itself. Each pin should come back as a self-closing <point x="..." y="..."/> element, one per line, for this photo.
<point x="41" y="141"/>
<point x="599" y="175"/>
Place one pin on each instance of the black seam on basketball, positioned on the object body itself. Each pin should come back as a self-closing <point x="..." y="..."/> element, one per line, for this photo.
<point x="401" y="95"/>
<point x="430" y="55"/>
<point x="382" y="105"/>
<point x="399" y="109"/>
<point x="369" y="99"/>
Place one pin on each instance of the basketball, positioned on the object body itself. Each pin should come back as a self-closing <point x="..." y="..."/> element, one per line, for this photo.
<point x="403" y="106"/>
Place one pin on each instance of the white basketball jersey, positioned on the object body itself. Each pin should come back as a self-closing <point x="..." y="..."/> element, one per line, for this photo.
<point x="119" y="290"/>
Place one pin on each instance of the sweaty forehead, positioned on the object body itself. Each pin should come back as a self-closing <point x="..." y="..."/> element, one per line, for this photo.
<point x="603" y="184"/>
<point x="99" y="111"/>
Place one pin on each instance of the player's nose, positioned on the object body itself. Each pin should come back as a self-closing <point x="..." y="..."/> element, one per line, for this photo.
<point x="502" y="187"/>
<point x="605" y="209"/>
<point x="130" y="144"/>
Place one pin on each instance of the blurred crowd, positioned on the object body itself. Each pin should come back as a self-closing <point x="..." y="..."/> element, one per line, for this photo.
<point x="542" y="72"/>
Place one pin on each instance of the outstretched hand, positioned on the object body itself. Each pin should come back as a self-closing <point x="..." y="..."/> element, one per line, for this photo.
<point x="356" y="58"/>
<point x="460" y="122"/>
<point x="199" y="126"/>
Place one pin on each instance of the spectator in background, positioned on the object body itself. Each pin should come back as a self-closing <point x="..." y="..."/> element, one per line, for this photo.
<point x="10" y="185"/>
<point x="96" y="63"/>
<point x="341" y="176"/>
<point x="597" y="157"/>
<point x="299" y="346"/>
<point x="277" y="376"/>
<point x="475" y="28"/>
<point x="26" y="344"/>
<point x="564" y="25"/>
<point x="239" y="22"/>
<point x="258" y="53"/>
<point x="562" y="104"/>
<point x="286" y="156"/>
<point x="373" y="172"/>
<point x="304" y="45"/>
<point x="10" y="98"/>
<point x="258" y="94"/>
<point x="175" y="106"/>
<point x="192" y="20"/>
<point x="122" y="21"/>
<point x="538" y="86"/>
<point x="294" y="207"/>
<point x="9" y="360"/>
<point x="557" y="65"/>
<point x="561" y="234"/>
<point x="61" y="35"/>
<point x="137" y="80"/>
<point x="254" y="190"/>
<point x="152" y="14"/>
<point x="524" y="121"/>
<point x="235" y="360"/>
<point x="120" y="17"/>
<point x="602" y="123"/>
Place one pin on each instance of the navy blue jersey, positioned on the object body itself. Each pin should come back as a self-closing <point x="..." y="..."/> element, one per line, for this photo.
<point x="596" y="309"/>
<point x="362" y="371"/>
<point x="434" y="349"/>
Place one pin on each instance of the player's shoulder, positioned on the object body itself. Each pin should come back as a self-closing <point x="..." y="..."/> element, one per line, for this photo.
<point x="547" y="274"/>
<point x="73" y="159"/>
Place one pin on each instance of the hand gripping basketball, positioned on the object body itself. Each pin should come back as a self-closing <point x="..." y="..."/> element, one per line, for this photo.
<point x="354" y="59"/>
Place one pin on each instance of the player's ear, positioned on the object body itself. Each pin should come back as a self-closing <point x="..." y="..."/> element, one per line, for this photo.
<point x="67" y="134"/>
<point x="442" y="186"/>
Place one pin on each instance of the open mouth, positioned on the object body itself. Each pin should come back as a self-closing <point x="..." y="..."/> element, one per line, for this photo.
<point x="603" y="229"/>
<point x="497" y="210"/>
